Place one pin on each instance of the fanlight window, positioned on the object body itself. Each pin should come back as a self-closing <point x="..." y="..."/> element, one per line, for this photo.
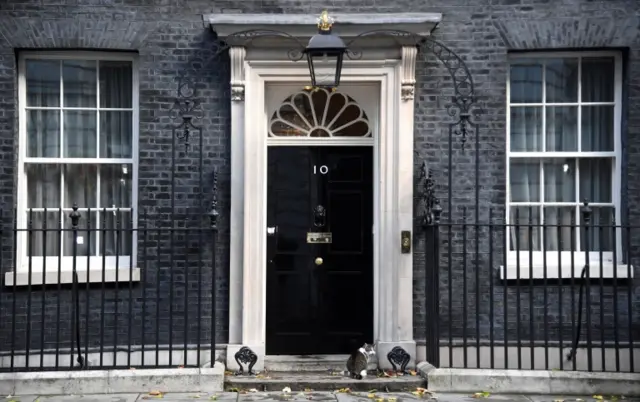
<point x="319" y="113"/>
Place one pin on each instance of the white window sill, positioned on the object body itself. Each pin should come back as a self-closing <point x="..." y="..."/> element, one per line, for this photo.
<point x="66" y="276"/>
<point x="537" y="271"/>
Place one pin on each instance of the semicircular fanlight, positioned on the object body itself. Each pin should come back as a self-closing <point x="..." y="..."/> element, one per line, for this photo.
<point x="319" y="113"/>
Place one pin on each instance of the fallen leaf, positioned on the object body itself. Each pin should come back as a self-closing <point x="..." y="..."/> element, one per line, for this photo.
<point x="483" y="394"/>
<point x="195" y="396"/>
<point x="234" y="390"/>
<point x="344" y="390"/>
<point x="308" y="390"/>
<point x="286" y="390"/>
<point x="155" y="393"/>
<point x="392" y="399"/>
<point x="227" y="372"/>
<point x="253" y="390"/>
<point x="579" y="400"/>
<point x="379" y="399"/>
<point x="213" y="397"/>
<point x="598" y="397"/>
<point x="413" y="372"/>
<point x="371" y="396"/>
<point x="558" y="400"/>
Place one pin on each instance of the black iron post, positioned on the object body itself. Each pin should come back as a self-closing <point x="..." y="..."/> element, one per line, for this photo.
<point x="213" y="219"/>
<point x="75" y="219"/>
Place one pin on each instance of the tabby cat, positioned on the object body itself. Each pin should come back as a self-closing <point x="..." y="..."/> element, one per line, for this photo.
<point x="358" y="361"/>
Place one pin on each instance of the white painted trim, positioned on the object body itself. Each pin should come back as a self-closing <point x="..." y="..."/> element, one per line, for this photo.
<point x="22" y="263"/>
<point x="303" y="26"/>
<point x="393" y="203"/>
<point x="567" y="268"/>
<point x="608" y="270"/>
<point x="236" y="236"/>
<point x="94" y="275"/>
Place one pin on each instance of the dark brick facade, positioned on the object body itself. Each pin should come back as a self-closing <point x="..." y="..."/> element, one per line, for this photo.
<point x="169" y="36"/>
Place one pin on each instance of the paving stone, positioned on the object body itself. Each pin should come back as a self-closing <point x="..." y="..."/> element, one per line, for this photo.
<point x="573" y="398"/>
<point x="197" y="396"/>
<point x="89" y="398"/>
<point x="378" y="396"/>
<point x="20" y="398"/>
<point x="491" y="397"/>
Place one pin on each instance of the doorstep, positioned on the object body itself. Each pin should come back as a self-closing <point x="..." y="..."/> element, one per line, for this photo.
<point x="327" y="380"/>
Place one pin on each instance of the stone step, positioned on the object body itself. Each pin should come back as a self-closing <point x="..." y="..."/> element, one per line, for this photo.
<point x="320" y="381"/>
<point x="311" y="363"/>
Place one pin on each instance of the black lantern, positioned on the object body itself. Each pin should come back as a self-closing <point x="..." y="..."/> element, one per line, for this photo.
<point x="324" y="54"/>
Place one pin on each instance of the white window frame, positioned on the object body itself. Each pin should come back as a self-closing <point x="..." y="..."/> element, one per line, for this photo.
<point x="567" y="269"/>
<point x="116" y="268"/>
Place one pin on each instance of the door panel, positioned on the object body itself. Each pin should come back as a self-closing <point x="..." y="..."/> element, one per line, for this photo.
<point x="326" y="308"/>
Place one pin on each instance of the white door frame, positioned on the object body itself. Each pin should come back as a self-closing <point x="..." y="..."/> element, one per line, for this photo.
<point x="393" y="204"/>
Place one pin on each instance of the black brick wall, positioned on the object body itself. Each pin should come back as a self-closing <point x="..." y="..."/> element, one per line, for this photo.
<point x="170" y="37"/>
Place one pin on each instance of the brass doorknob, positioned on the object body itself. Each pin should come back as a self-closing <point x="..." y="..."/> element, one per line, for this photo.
<point x="319" y="261"/>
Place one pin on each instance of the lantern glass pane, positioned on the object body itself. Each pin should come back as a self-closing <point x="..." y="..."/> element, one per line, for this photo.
<point x="324" y="69"/>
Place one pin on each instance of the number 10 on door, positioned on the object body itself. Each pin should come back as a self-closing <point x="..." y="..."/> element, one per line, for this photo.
<point x="324" y="169"/>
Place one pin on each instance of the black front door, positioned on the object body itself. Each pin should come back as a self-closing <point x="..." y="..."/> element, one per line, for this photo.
<point x="319" y="292"/>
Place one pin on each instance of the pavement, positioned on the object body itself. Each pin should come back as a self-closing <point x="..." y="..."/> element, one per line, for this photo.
<point x="335" y="396"/>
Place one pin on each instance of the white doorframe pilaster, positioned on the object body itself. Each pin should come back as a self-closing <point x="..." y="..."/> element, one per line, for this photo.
<point x="237" y="56"/>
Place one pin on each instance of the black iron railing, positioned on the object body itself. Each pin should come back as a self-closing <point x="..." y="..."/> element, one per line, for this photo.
<point x="88" y="288"/>
<point x="520" y="294"/>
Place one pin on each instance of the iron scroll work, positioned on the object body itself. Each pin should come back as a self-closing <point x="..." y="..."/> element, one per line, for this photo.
<point x="187" y="106"/>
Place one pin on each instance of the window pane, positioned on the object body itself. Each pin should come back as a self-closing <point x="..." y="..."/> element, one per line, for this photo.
<point x="560" y="180"/>
<point x="528" y="219"/>
<point x="79" y="134"/>
<point x="79" y="82"/>
<point x="80" y="186"/>
<point x="43" y="83"/>
<point x="117" y="234"/>
<point x="43" y="186"/>
<point x="526" y="83"/>
<point x="44" y="238"/>
<point x="85" y="238"/>
<point x="525" y="181"/>
<point x="595" y="179"/>
<point x="115" y="134"/>
<point x="598" y="75"/>
<point x="526" y="129"/>
<point x="115" y="186"/>
<point x="562" y="128"/>
<point x="43" y="133"/>
<point x="562" y="80"/>
<point x="115" y="84"/>
<point x="597" y="128"/>
<point x="600" y="236"/>
<point x="560" y="229"/>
